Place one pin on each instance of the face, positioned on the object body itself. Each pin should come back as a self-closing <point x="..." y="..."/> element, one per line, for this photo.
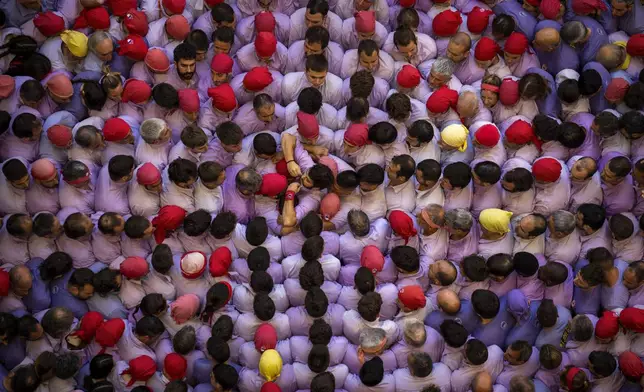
<point x="200" y="149"/>
<point x="312" y="48"/>
<point x="23" y="288"/>
<point x="437" y="80"/>
<point x="186" y="185"/>
<point x="511" y="58"/>
<point x="221" y="47"/>
<point x="508" y="186"/>
<point x="22" y="183"/>
<point x="84" y="293"/>
<point x="201" y="55"/>
<point x="232" y="148"/>
<point x="489" y="98"/>
<point x="313" y="19"/>
<point x="215" y="184"/>
<point x="412" y="141"/>
<point x="349" y="149"/>
<point x="104" y="50"/>
<point x="362" y="5"/>
<point x="156" y="188"/>
<point x="456" y="53"/>
<point x="578" y="172"/>
<point x="369" y="62"/>
<point x="581" y="283"/>
<point x="218" y="78"/>
<point x="186" y="68"/>
<point x="191" y="116"/>
<point x="364" y="36"/>
<point x="57" y="229"/>
<point x="619" y="8"/>
<point x="316" y="78"/>
<point x="630" y="279"/>
<point x="609" y="177"/>
<point x="409" y="50"/>
<point x="366" y="187"/>
<point x="116" y="92"/>
<point x="266" y="113"/>
<point x="446" y="185"/>
<point x="638" y="176"/>
<point x="525" y="226"/>
<point x="392" y="171"/>
<point x="512" y="356"/>
<point x="149" y="231"/>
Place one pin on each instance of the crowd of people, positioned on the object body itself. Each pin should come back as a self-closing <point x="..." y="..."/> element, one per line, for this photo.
<point x="332" y="195"/>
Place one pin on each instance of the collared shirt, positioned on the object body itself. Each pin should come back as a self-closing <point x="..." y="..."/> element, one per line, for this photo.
<point x="426" y="49"/>
<point x="110" y="195"/>
<point x="247" y="58"/>
<point x="295" y="82"/>
<point x="244" y="96"/>
<point x="462" y="377"/>
<point x="529" y="368"/>
<point x="351" y="65"/>
<point x="300" y="321"/>
<point x="440" y="376"/>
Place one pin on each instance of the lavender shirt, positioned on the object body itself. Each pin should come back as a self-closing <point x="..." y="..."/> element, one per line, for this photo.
<point x="562" y="57"/>
<point x="561" y="294"/>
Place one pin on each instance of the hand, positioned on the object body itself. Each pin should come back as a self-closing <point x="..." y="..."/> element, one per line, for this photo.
<point x="294" y="169"/>
<point x="277" y="157"/>
<point x="294" y="186"/>
<point x="73" y="340"/>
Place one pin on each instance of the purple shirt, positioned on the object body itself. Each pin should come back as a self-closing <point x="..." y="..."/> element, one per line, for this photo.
<point x="349" y="298"/>
<point x="440" y="376"/>
<point x="434" y="346"/>
<point x="526" y="23"/>
<point x="562" y="57"/>
<point x="459" y="249"/>
<point x="615" y="297"/>
<point x="495" y="332"/>
<point x="462" y="377"/>
<point x="529" y="368"/>
<point x="60" y="296"/>
<point x="300" y="347"/>
<point x="234" y="201"/>
<point x="553" y="335"/>
<point x="549" y="105"/>
<point x="465" y="316"/>
<point x="300" y="321"/>
<point x="111" y="196"/>
<point x="561" y="294"/>
<point x="354" y="365"/>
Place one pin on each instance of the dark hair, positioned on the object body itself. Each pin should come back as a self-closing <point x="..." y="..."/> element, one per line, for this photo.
<point x="398" y="106"/>
<point x="323" y="382"/>
<point x="593" y="215"/>
<point x="524" y="348"/>
<point x="525" y="264"/>
<point x="318" y="7"/>
<point x="26" y="325"/>
<point x="226" y="376"/>
<point x="223" y="327"/>
<point x="372" y="372"/>
<point x="311" y="275"/>
<point x="152" y="304"/>
<point x="368" y="46"/>
<point x="258" y="259"/>
<point x="550" y="357"/>
<point x="315" y="34"/>
<point x="476" y="352"/>
<point x="485" y="303"/>
<point x="313" y="248"/>
<point x="24" y="124"/>
<point x="311" y="225"/>
<point x="318" y="359"/>
<point x="261" y="282"/>
<point x="316" y="63"/>
<point x="193" y="137"/>
<point x="37" y="66"/>
<point x="32" y="91"/>
<point x="184" y="341"/>
<point x="217" y="296"/>
<point x="545" y="127"/>
<point x="454" y="333"/>
<point x="229" y="133"/>
<point x="500" y="264"/>
<point x="603" y="363"/>
<point x="25" y="379"/>
<point x="218" y="349"/>
<point x="263" y="306"/>
<point x="361" y="84"/>
<point x="487" y="171"/>
<point x="571" y="135"/>
<point x="533" y="86"/>
<point x="81" y="277"/>
<point x="108" y="221"/>
<point x="257" y="231"/>
<point x="364" y="280"/>
<point x="634" y="97"/>
<point x="321" y="176"/>
<point x="136" y="226"/>
<point x="592" y="274"/>
<point x="475" y="268"/>
<point x="621" y="226"/>
<point x="56" y="264"/>
<point x="74" y="225"/>
<point x="547" y="313"/>
<point x="93" y="95"/>
<point x="182" y="170"/>
<point x="458" y="174"/>
<point x="224" y="34"/>
<point x="67" y="365"/>
<point x="632" y="122"/>
<point x="357" y="109"/>
<point x="222" y="13"/>
<point x="149" y="326"/>
<point x="184" y="51"/>
<point x="105" y="281"/>
<point x="320" y="332"/>
<point x="316" y="302"/>
<point x="196" y="223"/>
<point x="430" y="169"/>
<point x="309" y="100"/>
<point x="15" y="225"/>
<point x="369" y="306"/>
<point x="590" y="82"/>
<point x="422" y="130"/>
<point x="383" y="133"/>
<point x="120" y="166"/>
<point x="85" y="137"/>
<point x="165" y="96"/>
<point x="403" y="36"/>
<point x="371" y="173"/>
<point x="407" y="166"/>
<point x="265" y="144"/>
<point x="504" y="25"/>
<point x="198" y="38"/>
<point x="521" y="178"/>
<point x="568" y="91"/>
<point x="553" y="273"/>
<point x="405" y="258"/>
<point x="607" y="123"/>
<point x="223" y="224"/>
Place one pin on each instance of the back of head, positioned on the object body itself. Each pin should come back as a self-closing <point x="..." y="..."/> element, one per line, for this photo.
<point x="405" y="258"/>
<point x="369" y="306"/>
<point x="485" y="303"/>
<point x="55" y="265"/>
<point x="475" y="268"/>
<point x="316" y="302"/>
<point x="602" y="363"/>
<point x="323" y="382"/>
<point x="57" y="321"/>
<point x="525" y="264"/>
<point x="257" y="231"/>
<point x="582" y="328"/>
<point x="568" y="91"/>
<point x="67" y="365"/>
<point x="149" y="326"/>
<point x="320" y="332"/>
<point x="364" y="280"/>
<point x="458" y="173"/>
<point x="454" y="333"/>
<point x="226" y="376"/>
<point x="372" y="372"/>
<point x="550" y="357"/>
<point x="309" y="100"/>
<point x="263" y="306"/>
<point x="165" y="96"/>
<point x="594" y="215"/>
<point x="313" y="248"/>
<point x="545" y="127"/>
<point x="318" y="359"/>
<point x="476" y="352"/>
<point x="520" y="383"/>
<point x="500" y="265"/>
<point x="420" y="364"/>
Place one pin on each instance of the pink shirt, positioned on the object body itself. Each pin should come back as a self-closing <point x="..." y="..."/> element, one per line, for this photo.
<point x="331" y="89"/>
<point x="300" y="321"/>
<point x="245" y="96"/>
<point x="245" y="30"/>
<point x="301" y="347"/>
<point x="111" y="196"/>
<point x="246" y="118"/>
<point x="426" y="49"/>
<point x="349" y="298"/>
<point x="351" y="65"/>
<point x="332" y="22"/>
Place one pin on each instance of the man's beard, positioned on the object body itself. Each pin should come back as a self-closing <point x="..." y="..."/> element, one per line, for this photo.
<point x="186" y="75"/>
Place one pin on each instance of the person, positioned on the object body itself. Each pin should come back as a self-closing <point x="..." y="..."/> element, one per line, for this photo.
<point x="476" y="358"/>
<point x="421" y="371"/>
<point x="367" y="56"/>
<point x="316" y="75"/>
<point x="496" y="321"/>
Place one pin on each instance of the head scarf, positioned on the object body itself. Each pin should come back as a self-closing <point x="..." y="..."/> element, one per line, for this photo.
<point x="184" y="308"/>
<point x="192" y="264"/>
<point x="43" y="169"/>
<point x="486" y="49"/>
<point x="607" y="326"/>
<point x="517" y="43"/>
<point x="509" y="92"/>
<point x="133" y="47"/>
<point x="635" y="45"/>
<point x="550" y="8"/>
<point x="141" y="369"/>
<point x="7" y="85"/>
<point x="273" y="184"/>
<point x="265" y="22"/>
<point x="357" y="135"/>
<point x="174" y="6"/>
<point x="97" y="18"/>
<point x="570" y="376"/>
<point x="89" y="325"/>
<point x="372" y="258"/>
<point x="189" y="100"/>
<point x="116" y="129"/>
<point x="121" y="7"/>
<point x="520" y="132"/>
<point x="631" y="365"/>
<point x="265" y="44"/>
<point x="408" y="76"/>
<point x="585" y="7"/>
<point x="442" y="100"/>
<point x="412" y="297"/>
<point x="365" y="22"/>
<point x="134" y="267"/>
<point x="148" y="174"/>
<point x="265" y="338"/>
<point x="257" y="79"/>
<point x="281" y="168"/>
<point x="223" y="98"/>
<point x="60" y="135"/>
<point x="136" y="22"/>
<point x="75" y="41"/>
<point x="5" y="283"/>
<point x="495" y="220"/>
<point x="307" y="125"/>
<point x="546" y="169"/>
<point x="617" y="89"/>
<point x="270" y="365"/>
<point x="136" y="91"/>
<point x="222" y="63"/>
<point x="478" y="20"/>
<point x="518" y="304"/>
<point x="177" y="27"/>
<point x="447" y="23"/>
<point x="110" y="332"/>
<point x="487" y="135"/>
<point x="402" y="225"/>
<point x="407" y="3"/>
<point x="60" y="86"/>
<point x="169" y="218"/>
<point x="49" y="23"/>
<point x="157" y="60"/>
<point x="220" y="261"/>
<point x="175" y="366"/>
<point x="633" y="319"/>
<point x="330" y="163"/>
<point x="455" y="135"/>
<point x="270" y="387"/>
<point x="329" y="206"/>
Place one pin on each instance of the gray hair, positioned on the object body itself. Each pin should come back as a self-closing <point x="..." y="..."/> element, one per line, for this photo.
<point x="611" y="56"/>
<point x="96" y="38"/>
<point x="443" y="66"/>
<point x="436" y="214"/>
<point x="459" y="219"/>
<point x="248" y="180"/>
<point x="415" y="333"/>
<point x="521" y="383"/>
<point x="371" y="338"/>
<point x="185" y="340"/>
<point x="358" y="222"/>
<point x="151" y="129"/>
<point x="572" y="32"/>
<point x="564" y="221"/>
<point x="57" y="321"/>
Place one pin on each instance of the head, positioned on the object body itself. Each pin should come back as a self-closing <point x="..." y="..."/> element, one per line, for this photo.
<point x="165" y="96"/>
<point x="316" y="69"/>
<point x="533" y="86"/>
<point x="138" y="227"/>
<point x="211" y="174"/>
<point x="502" y="26"/>
<point x="230" y="135"/>
<point x="420" y="364"/>
<point x="547" y="39"/>
<point x="81" y="283"/>
<point x="489" y="90"/>
<point x="456" y="176"/>
<point x="458" y="222"/>
<point x="248" y="181"/>
<point x="185" y="60"/>
<point x="518" y="352"/>
<point x="575" y="33"/>
<point x="370" y="176"/>
<point x="155" y="131"/>
<point x="27" y="127"/>
<point x="459" y="47"/>
<point x="263" y="306"/>
<point x="224" y="377"/>
<point x="441" y="72"/>
<point x="547" y="313"/>
<point x="57" y="322"/>
<point x="634" y="275"/>
<point x="517" y="180"/>
<point x="561" y="223"/>
<point x="21" y="280"/>
<point x="16" y="173"/>
<point x="317" y="177"/>
<point x="486" y="173"/>
<point x="369" y="306"/>
<point x="601" y="364"/>
<point x="454" y="333"/>
<point x="611" y="56"/>
<point x="553" y="274"/>
<point x="485" y="303"/>
<point x="55" y="265"/>
<point x="530" y="226"/>
<point x="89" y="137"/>
<point x="264" y="107"/>
<point x="316" y="12"/>
<point x="398" y="107"/>
<point x="583" y="169"/>
<point x="406" y="41"/>
<point x="182" y="172"/>
<point x="590" y="218"/>
<point x="401" y="169"/>
<point x="373" y="340"/>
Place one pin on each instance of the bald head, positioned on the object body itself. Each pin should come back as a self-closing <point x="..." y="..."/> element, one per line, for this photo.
<point x="448" y="301"/>
<point x="468" y="104"/>
<point x="547" y="39"/>
<point x="482" y="382"/>
<point x="21" y="280"/>
<point x="462" y="39"/>
<point x="458" y="47"/>
<point x="415" y="334"/>
<point x="611" y="56"/>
